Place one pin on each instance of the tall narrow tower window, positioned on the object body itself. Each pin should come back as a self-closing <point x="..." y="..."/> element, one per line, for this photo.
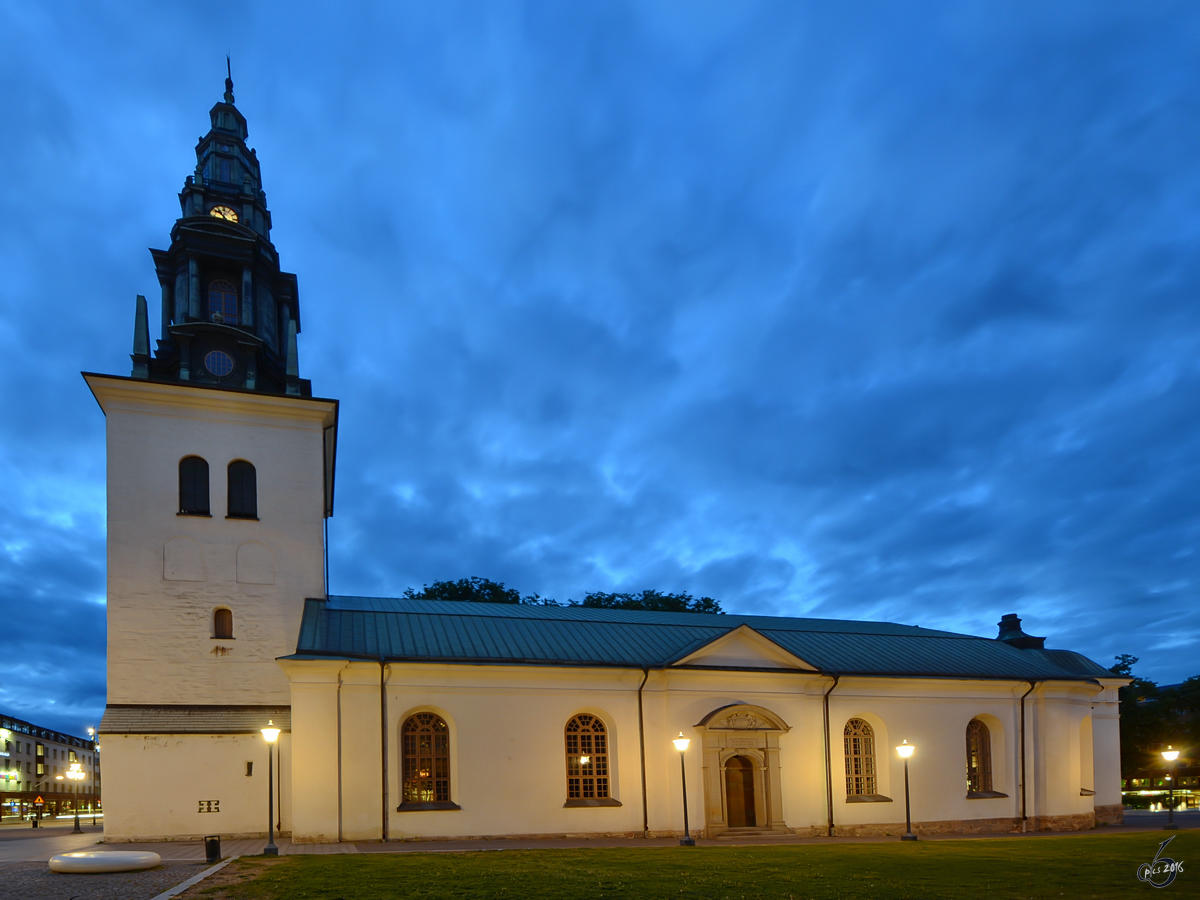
<point x="193" y="486"/>
<point x="223" y="625"/>
<point x="223" y="302"/>
<point x="243" y="490"/>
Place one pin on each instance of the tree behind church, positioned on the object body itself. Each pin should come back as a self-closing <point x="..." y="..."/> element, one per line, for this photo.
<point x="1153" y="717"/>
<point x="653" y="601"/>
<point x="484" y="590"/>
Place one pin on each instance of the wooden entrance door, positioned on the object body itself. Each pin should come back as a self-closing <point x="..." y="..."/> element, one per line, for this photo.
<point x="739" y="792"/>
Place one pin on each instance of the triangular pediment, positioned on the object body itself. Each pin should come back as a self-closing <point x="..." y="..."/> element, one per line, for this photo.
<point x="744" y="648"/>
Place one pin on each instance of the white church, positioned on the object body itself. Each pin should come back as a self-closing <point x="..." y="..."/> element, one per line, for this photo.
<point x="410" y="719"/>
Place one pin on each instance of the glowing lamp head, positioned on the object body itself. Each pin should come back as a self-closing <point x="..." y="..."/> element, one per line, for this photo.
<point x="1170" y="755"/>
<point x="584" y="760"/>
<point x="905" y="750"/>
<point x="681" y="743"/>
<point x="270" y="733"/>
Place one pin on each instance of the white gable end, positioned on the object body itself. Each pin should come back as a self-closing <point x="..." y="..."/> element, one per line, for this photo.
<point x="745" y="648"/>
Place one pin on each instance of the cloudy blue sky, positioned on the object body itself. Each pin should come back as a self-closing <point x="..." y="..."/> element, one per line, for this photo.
<point x="847" y="310"/>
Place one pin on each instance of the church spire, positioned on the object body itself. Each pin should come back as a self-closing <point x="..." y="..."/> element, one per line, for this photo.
<point x="229" y="313"/>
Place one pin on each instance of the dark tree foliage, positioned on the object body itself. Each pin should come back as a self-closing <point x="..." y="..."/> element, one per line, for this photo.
<point x="484" y="590"/>
<point x="472" y="590"/>
<point x="654" y="601"/>
<point x="1153" y="717"/>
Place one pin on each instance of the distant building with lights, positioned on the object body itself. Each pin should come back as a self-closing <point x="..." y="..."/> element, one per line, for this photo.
<point x="35" y="762"/>
<point x="406" y="719"/>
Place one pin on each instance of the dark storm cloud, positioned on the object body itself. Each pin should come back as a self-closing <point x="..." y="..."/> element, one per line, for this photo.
<point x="854" y="310"/>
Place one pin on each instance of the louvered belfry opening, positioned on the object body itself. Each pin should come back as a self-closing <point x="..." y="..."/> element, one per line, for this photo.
<point x="243" y="490"/>
<point x="193" y="486"/>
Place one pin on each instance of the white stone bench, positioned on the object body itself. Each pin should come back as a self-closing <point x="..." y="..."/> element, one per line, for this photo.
<point x="104" y="861"/>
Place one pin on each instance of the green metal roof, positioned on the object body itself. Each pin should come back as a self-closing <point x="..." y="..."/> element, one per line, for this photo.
<point x="399" y="630"/>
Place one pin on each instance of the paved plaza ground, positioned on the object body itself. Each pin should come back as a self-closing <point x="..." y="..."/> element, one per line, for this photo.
<point x="24" y="852"/>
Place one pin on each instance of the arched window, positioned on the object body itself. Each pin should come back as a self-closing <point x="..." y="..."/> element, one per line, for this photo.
<point x="587" y="758"/>
<point x="425" y="747"/>
<point x="860" y="758"/>
<point x="193" y="486"/>
<point x="979" y="757"/>
<point x="222" y="299"/>
<point x="223" y="624"/>
<point x="243" y="490"/>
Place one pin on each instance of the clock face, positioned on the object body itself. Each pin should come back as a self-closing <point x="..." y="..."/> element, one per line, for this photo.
<point x="223" y="212"/>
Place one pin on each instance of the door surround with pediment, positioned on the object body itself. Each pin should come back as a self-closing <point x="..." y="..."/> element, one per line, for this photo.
<point x="751" y="732"/>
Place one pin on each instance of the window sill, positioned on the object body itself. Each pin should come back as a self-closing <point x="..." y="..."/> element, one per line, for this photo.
<point x="580" y="802"/>
<point x="198" y="515"/>
<point x="222" y="639"/>
<point x="984" y="795"/>
<point x="245" y="518"/>
<point x="422" y="807"/>
<point x="867" y="798"/>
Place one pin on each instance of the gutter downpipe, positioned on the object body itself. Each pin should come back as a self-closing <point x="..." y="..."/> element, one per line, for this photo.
<point x="829" y="756"/>
<point x="339" y="750"/>
<point x="383" y="744"/>
<point x="1024" y="817"/>
<point x="642" y="748"/>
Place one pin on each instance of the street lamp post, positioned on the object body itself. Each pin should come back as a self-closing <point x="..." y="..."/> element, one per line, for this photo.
<point x="270" y="734"/>
<point x="75" y="773"/>
<point x="906" y="750"/>
<point x="1171" y="756"/>
<point x="95" y="757"/>
<point x="681" y="744"/>
<point x="4" y="733"/>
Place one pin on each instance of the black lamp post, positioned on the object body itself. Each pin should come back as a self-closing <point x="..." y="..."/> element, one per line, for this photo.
<point x="95" y="762"/>
<point x="1171" y="756"/>
<point x="271" y="734"/>
<point x="76" y="774"/>
<point x="906" y="750"/>
<point x="681" y="744"/>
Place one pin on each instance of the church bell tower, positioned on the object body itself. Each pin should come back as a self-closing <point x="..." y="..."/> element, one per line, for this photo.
<point x="220" y="470"/>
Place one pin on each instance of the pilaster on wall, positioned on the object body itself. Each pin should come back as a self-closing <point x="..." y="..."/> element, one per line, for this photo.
<point x="315" y="780"/>
<point x="362" y="762"/>
<point x="1106" y="737"/>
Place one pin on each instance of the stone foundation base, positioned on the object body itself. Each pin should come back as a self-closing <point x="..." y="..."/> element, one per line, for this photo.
<point x="1000" y="825"/>
<point x="1076" y="822"/>
<point x="1110" y="815"/>
<point x="179" y="838"/>
<point x="547" y="836"/>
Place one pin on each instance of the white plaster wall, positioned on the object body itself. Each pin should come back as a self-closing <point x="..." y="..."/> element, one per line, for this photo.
<point x="507" y="757"/>
<point x="160" y="644"/>
<point x="153" y="785"/>
<point x="1106" y="746"/>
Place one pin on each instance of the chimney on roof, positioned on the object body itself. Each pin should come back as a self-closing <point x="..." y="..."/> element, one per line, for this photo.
<point x="1011" y="634"/>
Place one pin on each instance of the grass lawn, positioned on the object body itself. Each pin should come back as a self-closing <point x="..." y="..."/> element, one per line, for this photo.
<point x="1072" y="867"/>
